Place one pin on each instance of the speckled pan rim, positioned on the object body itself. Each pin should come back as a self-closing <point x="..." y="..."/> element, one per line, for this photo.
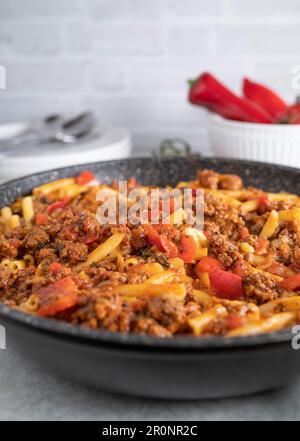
<point x="82" y="335"/>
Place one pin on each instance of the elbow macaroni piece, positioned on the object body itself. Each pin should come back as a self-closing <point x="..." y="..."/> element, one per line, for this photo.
<point x="27" y="209"/>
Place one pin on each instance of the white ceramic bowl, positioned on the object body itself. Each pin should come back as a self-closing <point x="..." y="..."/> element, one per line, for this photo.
<point x="275" y="143"/>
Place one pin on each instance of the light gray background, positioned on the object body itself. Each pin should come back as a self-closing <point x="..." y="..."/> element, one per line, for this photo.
<point x="129" y="60"/>
<point x="27" y="393"/>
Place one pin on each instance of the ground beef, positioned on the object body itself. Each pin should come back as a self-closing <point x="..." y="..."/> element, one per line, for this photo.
<point x="231" y="182"/>
<point x="261" y="287"/>
<point x="208" y="179"/>
<point x="71" y="252"/>
<point x="138" y="238"/>
<point x="224" y="250"/>
<point x="36" y="238"/>
<point x="7" y="250"/>
<point x="97" y="309"/>
<point x="151" y="327"/>
<point x="7" y="277"/>
<point x="212" y="180"/>
<point x="168" y="312"/>
<point x="226" y="219"/>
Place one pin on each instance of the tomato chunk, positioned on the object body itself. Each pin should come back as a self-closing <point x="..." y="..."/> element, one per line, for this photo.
<point x="187" y="249"/>
<point x="226" y="285"/>
<point x="291" y="283"/>
<point x="57" y="297"/>
<point x="209" y="264"/>
<point x="55" y="267"/>
<point x="87" y="178"/>
<point x="57" y="204"/>
<point x="41" y="219"/>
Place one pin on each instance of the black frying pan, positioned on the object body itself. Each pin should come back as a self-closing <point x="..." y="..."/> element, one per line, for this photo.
<point x="183" y="367"/>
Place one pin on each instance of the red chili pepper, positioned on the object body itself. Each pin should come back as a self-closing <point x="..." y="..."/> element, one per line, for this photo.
<point x="265" y="98"/>
<point x="226" y="285"/>
<point x="209" y="264"/>
<point x="291" y="283"/>
<point x="57" y="204"/>
<point x="57" y="297"/>
<point x="41" y="219"/>
<point x="87" y="178"/>
<point x="295" y="119"/>
<point x="291" y="114"/>
<point x="207" y="91"/>
<point x="187" y="249"/>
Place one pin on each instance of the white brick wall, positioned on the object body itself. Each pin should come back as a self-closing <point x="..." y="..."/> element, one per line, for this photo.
<point x="129" y="60"/>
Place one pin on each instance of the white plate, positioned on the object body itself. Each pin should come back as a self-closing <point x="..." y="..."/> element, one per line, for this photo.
<point x="108" y="143"/>
<point x="9" y="130"/>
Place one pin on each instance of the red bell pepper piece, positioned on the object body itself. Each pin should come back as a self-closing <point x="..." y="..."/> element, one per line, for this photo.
<point x="160" y="241"/>
<point x="57" y="204"/>
<point x="168" y="246"/>
<point x="209" y="264"/>
<point x="226" y="285"/>
<point x="265" y="98"/>
<point x="207" y="91"/>
<point x="263" y="202"/>
<point x="55" y="267"/>
<point x="41" y="219"/>
<point x="57" y="297"/>
<point x="291" y="283"/>
<point x="187" y="249"/>
<point x="87" y="178"/>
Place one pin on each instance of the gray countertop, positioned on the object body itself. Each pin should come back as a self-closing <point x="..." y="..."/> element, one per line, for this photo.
<point x="28" y="393"/>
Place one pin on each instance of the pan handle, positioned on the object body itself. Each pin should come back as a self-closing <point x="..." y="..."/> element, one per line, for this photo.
<point x="173" y="147"/>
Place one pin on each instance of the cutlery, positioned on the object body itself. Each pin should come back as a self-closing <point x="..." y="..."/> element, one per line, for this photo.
<point x="67" y="132"/>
